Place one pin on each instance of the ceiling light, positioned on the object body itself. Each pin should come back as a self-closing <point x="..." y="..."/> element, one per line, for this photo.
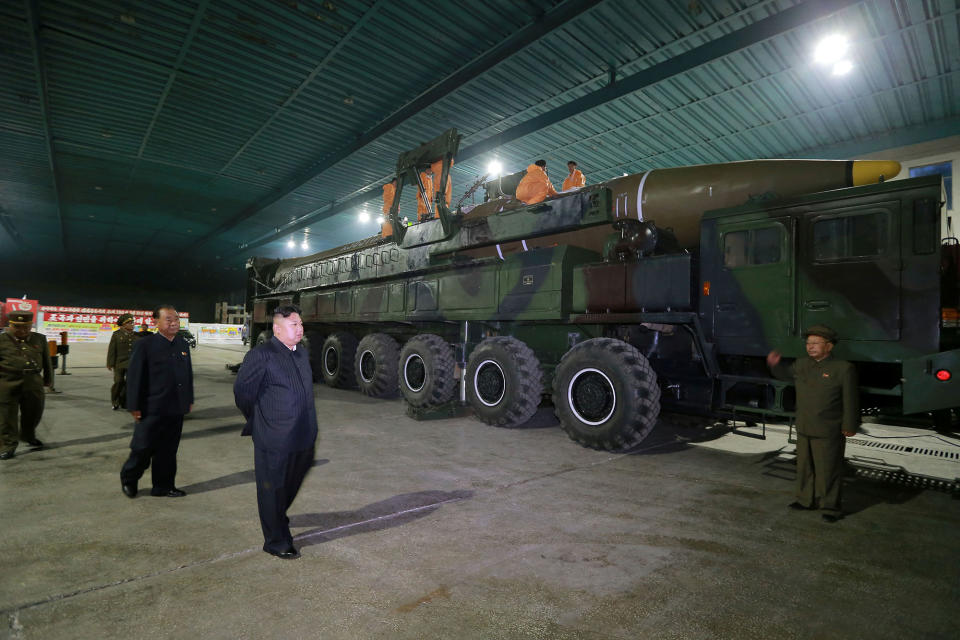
<point x="494" y="169"/>
<point x="842" y="68"/>
<point x="364" y="216"/>
<point x="380" y="219"/>
<point x="291" y="244"/>
<point x="831" y="49"/>
<point x="304" y="245"/>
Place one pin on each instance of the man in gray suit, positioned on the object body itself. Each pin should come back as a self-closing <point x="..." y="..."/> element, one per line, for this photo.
<point x="274" y="390"/>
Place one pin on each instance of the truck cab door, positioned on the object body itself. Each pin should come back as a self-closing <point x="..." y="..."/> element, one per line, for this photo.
<point x="754" y="291"/>
<point x="850" y="271"/>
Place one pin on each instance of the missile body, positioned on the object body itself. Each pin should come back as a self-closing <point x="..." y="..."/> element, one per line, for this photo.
<point x="674" y="198"/>
<point x="678" y="197"/>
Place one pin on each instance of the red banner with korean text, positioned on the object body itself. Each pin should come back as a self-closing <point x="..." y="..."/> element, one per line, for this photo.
<point x="17" y="304"/>
<point x="89" y="324"/>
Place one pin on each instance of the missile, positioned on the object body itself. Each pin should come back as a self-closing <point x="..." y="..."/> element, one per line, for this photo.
<point x="677" y="197"/>
<point x="674" y="198"/>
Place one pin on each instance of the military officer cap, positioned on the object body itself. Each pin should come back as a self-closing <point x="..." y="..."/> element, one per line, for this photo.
<point x="124" y="319"/>
<point x="823" y="331"/>
<point x="20" y="317"/>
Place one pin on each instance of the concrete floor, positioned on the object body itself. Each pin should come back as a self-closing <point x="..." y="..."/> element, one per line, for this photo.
<point x="449" y="528"/>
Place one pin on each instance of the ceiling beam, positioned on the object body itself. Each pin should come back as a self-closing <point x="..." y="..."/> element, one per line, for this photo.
<point x="306" y="81"/>
<point x="540" y="27"/>
<point x="885" y="140"/>
<point x="750" y="35"/>
<point x="753" y="34"/>
<point x="33" y="22"/>
<point x="172" y="76"/>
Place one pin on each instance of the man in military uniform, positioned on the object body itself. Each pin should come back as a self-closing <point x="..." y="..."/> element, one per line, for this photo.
<point x="118" y="359"/>
<point x="828" y="412"/>
<point x="25" y="368"/>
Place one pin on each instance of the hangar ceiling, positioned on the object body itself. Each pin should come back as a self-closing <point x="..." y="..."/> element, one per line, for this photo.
<point x="193" y="134"/>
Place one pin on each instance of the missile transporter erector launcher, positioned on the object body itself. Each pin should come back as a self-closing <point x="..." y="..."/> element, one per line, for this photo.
<point x="665" y="288"/>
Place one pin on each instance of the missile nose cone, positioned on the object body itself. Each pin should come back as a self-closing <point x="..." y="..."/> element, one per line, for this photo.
<point x="871" y="171"/>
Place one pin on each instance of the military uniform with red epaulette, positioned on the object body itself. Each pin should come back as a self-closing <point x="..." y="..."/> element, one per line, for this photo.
<point x="25" y="368"/>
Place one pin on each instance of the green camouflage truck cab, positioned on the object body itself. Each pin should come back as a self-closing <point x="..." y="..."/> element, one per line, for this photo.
<point x="661" y="289"/>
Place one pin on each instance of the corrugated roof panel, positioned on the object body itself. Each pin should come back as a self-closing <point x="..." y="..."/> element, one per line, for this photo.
<point x="245" y="97"/>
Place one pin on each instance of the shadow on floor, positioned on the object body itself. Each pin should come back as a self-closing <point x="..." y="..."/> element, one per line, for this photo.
<point x="670" y="435"/>
<point x="212" y="413"/>
<point x="385" y="514"/>
<point x="125" y="435"/>
<point x="232" y="480"/>
<point x="859" y="494"/>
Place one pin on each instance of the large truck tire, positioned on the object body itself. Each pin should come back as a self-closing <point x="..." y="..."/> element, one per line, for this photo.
<point x="314" y="341"/>
<point x="264" y="337"/>
<point x="426" y="371"/>
<point x="504" y="382"/>
<point x="376" y="365"/>
<point x="606" y="395"/>
<point x="339" y="350"/>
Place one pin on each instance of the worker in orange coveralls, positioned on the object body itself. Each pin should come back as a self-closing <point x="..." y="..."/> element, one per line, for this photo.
<point x="535" y="186"/>
<point x="425" y="208"/>
<point x="575" y="179"/>
<point x="389" y="192"/>
<point x="437" y="168"/>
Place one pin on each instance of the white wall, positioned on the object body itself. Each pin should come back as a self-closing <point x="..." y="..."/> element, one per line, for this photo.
<point x="932" y="152"/>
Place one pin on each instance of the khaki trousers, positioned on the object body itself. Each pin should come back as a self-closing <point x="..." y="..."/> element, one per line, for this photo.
<point x="25" y="398"/>
<point x="820" y="471"/>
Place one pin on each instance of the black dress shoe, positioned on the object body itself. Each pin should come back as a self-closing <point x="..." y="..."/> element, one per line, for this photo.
<point x="168" y="493"/>
<point x="129" y="490"/>
<point x="6" y="455"/>
<point x="288" y="554"/>
<point x="116" y="407"/>
<point x="799" y="507"/>
<point x="831" y="517"/>
<point x="36" y="444"/>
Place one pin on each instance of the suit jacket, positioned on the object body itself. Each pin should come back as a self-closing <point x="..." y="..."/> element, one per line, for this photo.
<point x="274" y="390"/>
<point x="160" y="377"/>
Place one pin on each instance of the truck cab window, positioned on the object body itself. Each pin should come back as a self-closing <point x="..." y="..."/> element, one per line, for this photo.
<point x="751" y="247"/>
<point x="735" y="249"/>
<point x="852" y="236"/>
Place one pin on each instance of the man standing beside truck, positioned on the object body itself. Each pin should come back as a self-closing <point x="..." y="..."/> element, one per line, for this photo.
<point x="274" y="391"/>
<point x="828" y="412"/>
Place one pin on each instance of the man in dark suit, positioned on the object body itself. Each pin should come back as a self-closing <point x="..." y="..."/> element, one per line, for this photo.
<point x="274" y="390"/>
<point x="159" y="394"/>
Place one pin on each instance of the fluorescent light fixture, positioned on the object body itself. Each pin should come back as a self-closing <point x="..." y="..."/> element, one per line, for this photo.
<point x="842" y="68"/>
<point x="831" y="49"/>
<point x="494" y="169"/>
<point x="364" y="216"/>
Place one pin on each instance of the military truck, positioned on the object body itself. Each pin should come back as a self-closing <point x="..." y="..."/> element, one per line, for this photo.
<point x="664" y="289"/>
